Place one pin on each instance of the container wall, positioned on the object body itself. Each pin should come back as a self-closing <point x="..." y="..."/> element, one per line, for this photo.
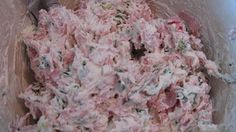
<point x="13" y="70"/>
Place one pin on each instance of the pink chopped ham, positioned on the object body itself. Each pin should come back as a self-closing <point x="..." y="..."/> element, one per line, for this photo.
<point x="68" y="57"/>
<point x="110" y="66"/>
<point x="20" y="124"/>
<point x="163" y="102"/>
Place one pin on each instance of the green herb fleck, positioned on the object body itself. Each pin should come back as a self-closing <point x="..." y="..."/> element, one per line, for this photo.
<point x="167" y="71"/>
<point x="156" y="66"/>
<point x="106" y="5"/>
<point x="44" y="64"/>
<point x="182" y="67"/>
<point x="91" y="48"/>
<point x="121" y="16"/>
<point x="76" y="86"/>
<point x="62" y="91"/>
<point x="182" y="45"/>
<point x="59" y="55"/>
<point x="119" y="70"/>
<point x="118" y="21"/>
<point x="84" y="63"/>
<point x="181" y="96"/>
<point x="185" y="99"/>
<point x="127" y="3"/>
<point x="67" y="73"/>
<point x="139" y="110"/>
<point x="194" y="98"/>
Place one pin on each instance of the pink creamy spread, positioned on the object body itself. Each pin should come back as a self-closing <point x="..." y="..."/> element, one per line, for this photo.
<point x="110" y="66"/>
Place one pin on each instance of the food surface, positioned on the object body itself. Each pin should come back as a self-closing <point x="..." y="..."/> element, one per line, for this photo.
<point x="110" y="66"/>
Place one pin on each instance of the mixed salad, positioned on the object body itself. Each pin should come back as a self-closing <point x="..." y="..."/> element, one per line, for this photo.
<point x="111" y="66"/>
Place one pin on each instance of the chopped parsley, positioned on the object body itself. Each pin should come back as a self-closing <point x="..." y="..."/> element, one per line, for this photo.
<point x="84" y="63"/>
<point x="91" y="48"/>
<point x="44" y="64"/>
<point x="167" y="71"/>
<point x="67" y="73"/>
<point x="121" y="17"/>
<point x="106" y="6"/>
<point x="181" y="46"/>
<point x="193" y="97"/>
<point x="76" y="86"/>
<point x="60" y="56"/>
<point x="120" y="70"/>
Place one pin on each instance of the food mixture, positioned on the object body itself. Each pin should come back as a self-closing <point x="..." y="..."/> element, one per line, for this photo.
<point x="111" y="66"/>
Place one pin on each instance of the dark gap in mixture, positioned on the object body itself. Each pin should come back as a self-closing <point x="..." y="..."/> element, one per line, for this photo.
<point x="87" y="129"/>
<point x="116" y="96"/>
<point x="93" y="94"/>
<point x="136" y="54"/>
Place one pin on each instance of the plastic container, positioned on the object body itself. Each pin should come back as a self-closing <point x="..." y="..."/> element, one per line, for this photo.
<point x="217" y="17"/>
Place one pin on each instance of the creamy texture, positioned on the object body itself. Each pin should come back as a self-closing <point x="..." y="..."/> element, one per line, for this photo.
<point x="110" y="66"/>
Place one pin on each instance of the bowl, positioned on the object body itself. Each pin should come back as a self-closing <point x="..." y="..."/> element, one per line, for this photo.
<point x="217" y="19"/>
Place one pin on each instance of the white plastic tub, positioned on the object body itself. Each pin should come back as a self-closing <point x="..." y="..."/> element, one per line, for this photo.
<point x="217" y="17"/>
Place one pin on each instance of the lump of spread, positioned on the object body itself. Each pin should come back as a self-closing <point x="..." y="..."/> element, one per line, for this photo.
<point x="111" y="66"/>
